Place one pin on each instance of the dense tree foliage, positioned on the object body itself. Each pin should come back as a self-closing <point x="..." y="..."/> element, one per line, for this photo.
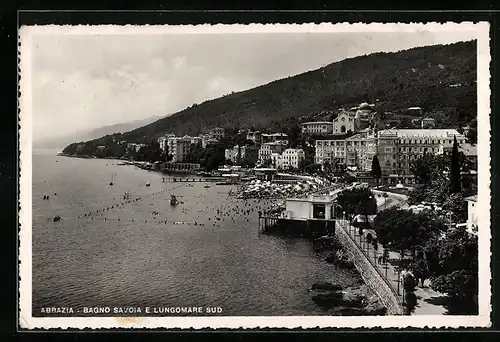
<point x="357" y="201"/>
<point x="420" y="76"/>
<point x="429" y="167"/>
<point x="454" y="264"/>
<point x="401" y="230"/>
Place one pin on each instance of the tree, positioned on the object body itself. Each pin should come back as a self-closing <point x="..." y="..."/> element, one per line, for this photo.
<point x="453" y="263"/>
<point x="376" y="170"/>
<point x="455" y="177"/>
<point x="357" y="201"/>
<point x="401" y="230"/>
<point x="428" y="168"/>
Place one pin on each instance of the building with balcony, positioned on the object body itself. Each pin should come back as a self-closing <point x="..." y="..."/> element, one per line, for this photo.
<point x="178" y="148"/>
<point x="330" y="151"/>
<point x="162" y="141"/>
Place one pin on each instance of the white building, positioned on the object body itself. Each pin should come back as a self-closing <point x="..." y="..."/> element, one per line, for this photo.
<point x="163" y="141"/>
<point x="330" y="151"/>
<point x="179" y="148"/>
<point x="291" y="158"/>
<point x="269" y="148"/>
<point x="344" y="122"/>
<point x="317" y="128"/>
<point x="472" y="212"/>
<point x="313" y="207"/>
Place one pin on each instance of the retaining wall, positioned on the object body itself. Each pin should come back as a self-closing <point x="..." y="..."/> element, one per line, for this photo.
<point x="369" y="274"/>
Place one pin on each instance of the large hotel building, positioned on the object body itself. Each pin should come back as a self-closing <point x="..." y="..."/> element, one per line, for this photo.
<point x="395" y="148"/>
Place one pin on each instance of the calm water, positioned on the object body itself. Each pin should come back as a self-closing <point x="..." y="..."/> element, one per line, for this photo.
<point x="126" y="256"/>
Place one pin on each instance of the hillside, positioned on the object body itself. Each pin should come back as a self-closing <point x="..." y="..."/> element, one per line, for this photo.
<point x="415" y="77"/>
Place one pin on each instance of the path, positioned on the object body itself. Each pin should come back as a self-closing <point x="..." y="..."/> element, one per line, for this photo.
<point x="429" y="302"/>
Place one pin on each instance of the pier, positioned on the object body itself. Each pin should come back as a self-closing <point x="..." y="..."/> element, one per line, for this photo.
<point x="194" y="179"/>
<point x="294" y="227"/>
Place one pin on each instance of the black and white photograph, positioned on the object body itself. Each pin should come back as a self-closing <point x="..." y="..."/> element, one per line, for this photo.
<point x="227" y="176"/>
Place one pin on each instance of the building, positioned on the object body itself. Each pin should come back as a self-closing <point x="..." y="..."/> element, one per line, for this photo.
<point x="317" y="128"/>
<point x="330" y="151"/>
<point x="135" y="147"/>
<point x="397" y="148"/>
<point x="162" y="141"/>
<point x="207" y="139"/>
<point x="428" y="122"/>
<point x="256" y="137"/>
<point x="356" y="150"/>
<point x="313" y="207"/>
<point x="364" y="115"/>
<point x="289" y="158"/>
<point x="216" y="133"/>
<point x="269" y="148"/>
<point x="274" y="137"/>
<point x="197" y="140"/>
<point x="179" y="148"/>
<point x="242" y="154"/>
<point x="472" y="214"/>
<point x="344" y="122"/>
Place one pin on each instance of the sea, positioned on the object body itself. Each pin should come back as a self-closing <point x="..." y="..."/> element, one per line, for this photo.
<point x="111" y="252"/>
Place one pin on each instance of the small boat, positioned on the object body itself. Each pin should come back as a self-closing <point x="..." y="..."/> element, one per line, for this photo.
<point x="56" y="218"/>
<point x="148" y="184"/>
<point x="173" y="200"/>
<point x="207" y="186"/>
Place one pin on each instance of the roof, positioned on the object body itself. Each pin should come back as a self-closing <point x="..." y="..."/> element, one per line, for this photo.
<point x="414" y="108"/>
<point x="468" y="149"/>
<point x="317" y="123"/>
<point x="439" y="133"/>
<point x="472" y="198"/>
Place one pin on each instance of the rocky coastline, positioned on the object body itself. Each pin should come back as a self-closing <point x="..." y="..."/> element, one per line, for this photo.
<point x="357" y="300"/>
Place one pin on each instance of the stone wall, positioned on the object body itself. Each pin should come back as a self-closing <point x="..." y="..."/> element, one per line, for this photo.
<point x="369" y="274"/>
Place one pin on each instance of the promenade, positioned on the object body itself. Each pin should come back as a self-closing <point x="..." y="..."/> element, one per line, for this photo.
<point x="429" y="302"/>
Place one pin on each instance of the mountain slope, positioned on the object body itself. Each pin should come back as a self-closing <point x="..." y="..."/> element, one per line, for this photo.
<point x="416" y="77"/>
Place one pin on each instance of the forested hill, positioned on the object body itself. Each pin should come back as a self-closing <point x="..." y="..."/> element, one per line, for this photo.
<point x="416" y="77"/>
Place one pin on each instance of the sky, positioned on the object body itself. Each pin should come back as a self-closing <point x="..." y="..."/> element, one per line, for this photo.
<point x="82" y="82"/>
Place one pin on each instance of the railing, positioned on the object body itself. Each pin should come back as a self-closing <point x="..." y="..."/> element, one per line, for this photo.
<point x="388" y="281"/>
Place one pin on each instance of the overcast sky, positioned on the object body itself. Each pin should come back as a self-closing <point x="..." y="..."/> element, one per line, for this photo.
<point x="82" y="82"/>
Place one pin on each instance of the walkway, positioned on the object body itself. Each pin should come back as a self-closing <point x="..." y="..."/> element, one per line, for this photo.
<point x="429" y="302"/>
